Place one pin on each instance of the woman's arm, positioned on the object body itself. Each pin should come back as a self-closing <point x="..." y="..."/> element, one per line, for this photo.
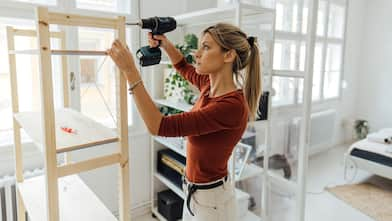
<point x="146" y="107"/>
<point x="186" y="70"/>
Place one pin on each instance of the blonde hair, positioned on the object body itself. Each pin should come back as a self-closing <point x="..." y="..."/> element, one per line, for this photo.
<point x="247" y="60"/>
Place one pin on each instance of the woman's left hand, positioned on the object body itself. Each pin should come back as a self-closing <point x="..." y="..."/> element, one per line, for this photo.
<point x="123" y="58"/>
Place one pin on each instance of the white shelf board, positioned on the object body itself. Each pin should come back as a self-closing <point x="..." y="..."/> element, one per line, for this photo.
<point x="250" y="170"/>
<point x="76" y="200"/>
<point x="250" y="216"/>
<point x="172" y="143"/>
<point x="88" y="132"/>
<point x="176" y="105"/>
<point x="280" y="183"/>
<point x="170" y="184"/>
<point x="223" y="13"/>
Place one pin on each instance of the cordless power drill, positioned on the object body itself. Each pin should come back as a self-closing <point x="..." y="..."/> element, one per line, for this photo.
<point x="158" y="25"/>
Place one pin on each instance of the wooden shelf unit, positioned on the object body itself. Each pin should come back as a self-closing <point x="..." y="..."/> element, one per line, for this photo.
<point x="60" y="194"/>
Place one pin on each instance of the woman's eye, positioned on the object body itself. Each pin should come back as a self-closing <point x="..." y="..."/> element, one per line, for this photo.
<point x="205" y="47"/>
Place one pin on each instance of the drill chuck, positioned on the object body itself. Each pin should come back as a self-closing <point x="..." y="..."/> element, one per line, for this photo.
<point x="158" y="26"/>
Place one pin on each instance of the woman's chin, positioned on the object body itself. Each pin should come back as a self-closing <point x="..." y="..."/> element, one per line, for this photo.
<point x="199" y="71"/>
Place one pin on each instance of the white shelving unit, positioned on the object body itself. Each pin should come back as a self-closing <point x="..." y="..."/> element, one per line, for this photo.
<point x="60" y="194"/>
<point x="240" y="14"/>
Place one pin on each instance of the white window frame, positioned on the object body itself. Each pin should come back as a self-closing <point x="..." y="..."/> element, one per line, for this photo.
<point x="299" y="37"/>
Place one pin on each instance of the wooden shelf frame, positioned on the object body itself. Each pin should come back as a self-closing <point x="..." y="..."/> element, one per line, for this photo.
<point x="48" y="138"/>
<point x="62" y="52"/>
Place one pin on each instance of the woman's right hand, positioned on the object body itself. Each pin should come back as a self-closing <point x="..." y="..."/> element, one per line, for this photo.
<point x="154" y="42"/>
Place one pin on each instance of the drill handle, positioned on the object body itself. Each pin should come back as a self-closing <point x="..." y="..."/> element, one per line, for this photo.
<point x="159" y="41"/>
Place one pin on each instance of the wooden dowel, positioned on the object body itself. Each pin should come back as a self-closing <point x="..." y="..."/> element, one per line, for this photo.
<point x="91" y="164"/>
<point x="76" y="52"/>
<point x="61" y="52"/>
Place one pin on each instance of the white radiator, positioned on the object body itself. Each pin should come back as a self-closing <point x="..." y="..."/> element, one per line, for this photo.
<point x="8" y="210"/>
<point x="322" y="127"/>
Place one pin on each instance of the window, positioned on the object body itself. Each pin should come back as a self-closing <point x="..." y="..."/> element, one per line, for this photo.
<point x="98" y="81"/>
<point x="290" y="50"/>
<point x="332" y="71"/>
<point x="27" y="76"/>
<point x="28" y="73"/>
<point x="5" y="90"/>
<point x="336" y="19"/>
<point x="43" y="2"/>
<point x="121" y="6"/>
<point x="285" y="90"/>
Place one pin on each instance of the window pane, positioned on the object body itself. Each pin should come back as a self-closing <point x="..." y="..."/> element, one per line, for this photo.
<point x="25" y="83"/>
<point x="317" y="70"/>
<point x="336" y="21"/>
<point x="44" y="2"/>
<point x="121" y="6"/>
<point x="284" y="91"/>
<point x="321" y="18"/>
<point x="98" y="77"/>
<point x="305" y="13"/>
<point x="286" y="15"/>
<point x="302" y="57"/>
<point x="300" y="82"/>
<point x="334" y="57"/>
<point x="285" y="55"/>
<point x="331" y="84"/>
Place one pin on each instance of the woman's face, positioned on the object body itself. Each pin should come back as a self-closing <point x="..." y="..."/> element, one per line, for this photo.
<point x="209" y="57"/>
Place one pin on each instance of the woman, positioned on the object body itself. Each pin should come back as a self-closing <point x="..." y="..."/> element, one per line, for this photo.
<point x="217" y="120"/>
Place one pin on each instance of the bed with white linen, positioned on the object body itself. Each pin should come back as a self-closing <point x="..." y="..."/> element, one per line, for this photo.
<point x="374" y="157"/>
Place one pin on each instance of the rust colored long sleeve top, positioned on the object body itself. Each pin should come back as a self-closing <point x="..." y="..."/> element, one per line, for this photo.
<point x="213" y="127"/>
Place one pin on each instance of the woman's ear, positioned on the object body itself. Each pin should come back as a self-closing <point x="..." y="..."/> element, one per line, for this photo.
<point x="229" y="56"/>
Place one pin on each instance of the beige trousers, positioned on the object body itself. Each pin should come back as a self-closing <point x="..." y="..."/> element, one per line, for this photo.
<point x="217" y="204"/>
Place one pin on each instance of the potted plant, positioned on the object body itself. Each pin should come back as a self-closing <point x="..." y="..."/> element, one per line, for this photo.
<point x="361" y="128"/>
<point x="175" y="86"/>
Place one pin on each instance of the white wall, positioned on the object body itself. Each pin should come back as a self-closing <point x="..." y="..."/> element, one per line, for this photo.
<point x="375" y="71"/>
<point x="346" y="108"/>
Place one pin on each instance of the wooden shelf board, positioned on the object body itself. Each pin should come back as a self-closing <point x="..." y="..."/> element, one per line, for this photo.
<point x="76" y="200"/>
<point x="88" y="132"/>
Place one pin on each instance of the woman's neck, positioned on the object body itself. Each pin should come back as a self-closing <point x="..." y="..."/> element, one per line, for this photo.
<point x="221" y="83"/>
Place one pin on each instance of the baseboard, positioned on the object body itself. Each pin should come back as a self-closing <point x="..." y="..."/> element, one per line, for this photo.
<point x="137" y="211"/>
<point x="141" y="211"/>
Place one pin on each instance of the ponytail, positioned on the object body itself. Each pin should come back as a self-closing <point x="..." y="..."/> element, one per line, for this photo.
<point x="248" y="60"/>
<point x="253" y="85"/>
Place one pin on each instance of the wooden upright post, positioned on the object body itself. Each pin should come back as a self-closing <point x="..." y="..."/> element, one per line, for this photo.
<point x="47" y="114"/>
<point x="122" y="124"/>
<point x="15" y="109"/>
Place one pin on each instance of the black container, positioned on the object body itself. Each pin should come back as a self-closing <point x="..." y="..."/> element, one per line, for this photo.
<point x="170" y="205"/>
<point x="262" y="111"/>
<point x="171" y="170"/>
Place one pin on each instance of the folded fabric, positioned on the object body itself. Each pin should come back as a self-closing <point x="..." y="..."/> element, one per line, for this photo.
<point x="380" y="137"/>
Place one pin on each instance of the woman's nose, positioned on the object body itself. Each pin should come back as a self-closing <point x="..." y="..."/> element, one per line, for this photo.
<point x="197" y="53"/>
